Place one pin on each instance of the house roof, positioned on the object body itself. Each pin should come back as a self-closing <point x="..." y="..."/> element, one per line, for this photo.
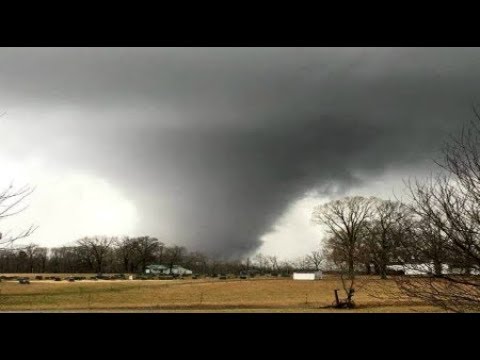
<point x="157" y="267"/>
<point x="163" y="267"/>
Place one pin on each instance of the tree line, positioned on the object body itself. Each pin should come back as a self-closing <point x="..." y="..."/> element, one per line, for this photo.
<point x="133" y="254"/>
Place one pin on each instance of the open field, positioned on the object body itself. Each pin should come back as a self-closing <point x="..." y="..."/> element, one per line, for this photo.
<point x="252" y="295"/>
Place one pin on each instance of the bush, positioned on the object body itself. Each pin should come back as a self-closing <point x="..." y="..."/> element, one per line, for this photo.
<point x="38" y="277"/>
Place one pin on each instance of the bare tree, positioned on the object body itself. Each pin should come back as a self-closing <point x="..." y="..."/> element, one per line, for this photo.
<point x="69" y="259"/>
<point x="302" y="263"/>
<point x="427" y="244"/>
<point x="286" y="267"/>
<point x="261" y="263"/>
<point x="12" y="202"/>
<point x="197" y="262"/>
<point x="35" y="257"/>
<point x="30" y="251"/>
<point x="346" y="222"/>
<point x="273" y="260"/>
<point x="448" y="205"/>
<point x="388" y="224"/>
<point x="146" y="249"/>
<point x="41" y="258"/>
<point x="126" y="253"/>
<point x="95" y="251"/>
<point x="315" y="259"/>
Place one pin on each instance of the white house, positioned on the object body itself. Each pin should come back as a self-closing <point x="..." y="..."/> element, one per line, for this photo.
<point x="165" y="270"/>
<point x="308" y="276"/>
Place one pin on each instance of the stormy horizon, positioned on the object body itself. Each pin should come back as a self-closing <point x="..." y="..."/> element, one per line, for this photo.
<point x="222" y="150"/>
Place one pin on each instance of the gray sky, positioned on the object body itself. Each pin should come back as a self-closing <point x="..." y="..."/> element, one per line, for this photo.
<point x="220" y="149"/>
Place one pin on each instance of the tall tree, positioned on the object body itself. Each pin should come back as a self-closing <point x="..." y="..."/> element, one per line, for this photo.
<point x="346" y="222"/>
<point x="95" y="251"/>
<point x="146" y="249"/>
<point x="388" y="224"/>
<point x="316" y="258"/>
<point x="31" y="251"/>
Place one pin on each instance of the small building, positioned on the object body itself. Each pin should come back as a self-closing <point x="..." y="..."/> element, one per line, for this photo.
<point x="308" y="276"/>
<point x="166" y="270"/>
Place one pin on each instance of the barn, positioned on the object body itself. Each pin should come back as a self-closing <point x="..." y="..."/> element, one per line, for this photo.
<point x="307" y="276"/>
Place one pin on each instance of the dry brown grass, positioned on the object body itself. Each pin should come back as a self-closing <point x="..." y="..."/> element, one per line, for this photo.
<point x="253" y="295"/>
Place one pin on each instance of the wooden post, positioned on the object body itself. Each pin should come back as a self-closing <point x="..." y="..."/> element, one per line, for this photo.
<point x="336" y="297"/>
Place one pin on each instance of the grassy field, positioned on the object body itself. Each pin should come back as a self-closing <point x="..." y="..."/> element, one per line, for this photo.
<point x="252" y="295"/>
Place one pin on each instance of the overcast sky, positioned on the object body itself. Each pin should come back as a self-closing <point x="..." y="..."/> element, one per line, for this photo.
<point x="222" y="150"/>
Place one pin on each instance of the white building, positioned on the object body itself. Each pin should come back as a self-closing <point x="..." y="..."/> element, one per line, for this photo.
<point x="308" y="276"/>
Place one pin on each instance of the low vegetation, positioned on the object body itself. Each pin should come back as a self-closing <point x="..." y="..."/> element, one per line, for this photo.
<point x="204" y="294"/>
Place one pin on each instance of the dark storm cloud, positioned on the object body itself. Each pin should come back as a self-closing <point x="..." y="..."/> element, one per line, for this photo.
<point x="218" y="142"/>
